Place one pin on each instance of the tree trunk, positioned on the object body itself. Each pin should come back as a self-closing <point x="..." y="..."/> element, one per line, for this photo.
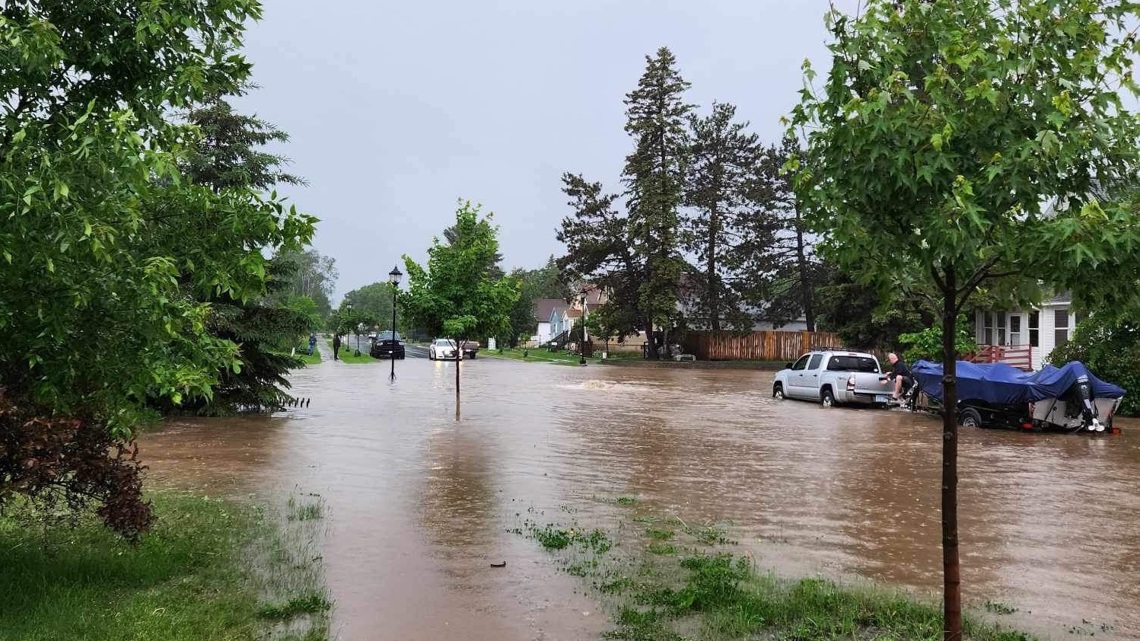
<point x="805" y="285"/>
<point x="651" y="340"/>
<point x="458" y="359"/>
<point x="710" y="270"/>
<point x="952" y="590"/>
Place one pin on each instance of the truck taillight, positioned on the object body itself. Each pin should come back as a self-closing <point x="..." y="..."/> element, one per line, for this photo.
<point x="851" y="382"/>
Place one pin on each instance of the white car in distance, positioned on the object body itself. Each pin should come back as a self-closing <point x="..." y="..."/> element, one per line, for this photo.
<point x="442" y="349"/>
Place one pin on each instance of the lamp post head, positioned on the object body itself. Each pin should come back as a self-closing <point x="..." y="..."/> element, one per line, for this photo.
<point x="395" y="275"/>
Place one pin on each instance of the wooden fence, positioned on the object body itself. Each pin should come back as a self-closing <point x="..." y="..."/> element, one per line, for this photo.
<point x="757" y="346"/>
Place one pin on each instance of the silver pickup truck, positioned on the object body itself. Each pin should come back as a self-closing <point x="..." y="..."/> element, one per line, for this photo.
<point x="833" y="378"/>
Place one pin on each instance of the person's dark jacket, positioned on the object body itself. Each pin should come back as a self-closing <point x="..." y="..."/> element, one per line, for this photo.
<point x="899" y="369"/>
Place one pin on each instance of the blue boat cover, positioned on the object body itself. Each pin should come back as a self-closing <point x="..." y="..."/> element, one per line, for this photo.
<point x="1001" y="383"/>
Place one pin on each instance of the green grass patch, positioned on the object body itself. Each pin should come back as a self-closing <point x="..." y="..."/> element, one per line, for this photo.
<point x="678" y="588"/>
<point x="205" y="572"/>
<point x="309" y="508"/>
<point x="627" y="500"/>
<point x="314" y="603"/>
<point x="537" y="356"/>
<point x="306" y="357"/>
<point x="348" y="355"/>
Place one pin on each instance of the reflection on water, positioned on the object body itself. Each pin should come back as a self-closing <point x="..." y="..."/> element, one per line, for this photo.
<point x="420" y="504"/>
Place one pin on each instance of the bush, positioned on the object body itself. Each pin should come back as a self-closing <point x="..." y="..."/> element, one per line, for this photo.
<point x="59" y="462"/>
<point x="1110" y="348"/>
<point x="927" y="344"/>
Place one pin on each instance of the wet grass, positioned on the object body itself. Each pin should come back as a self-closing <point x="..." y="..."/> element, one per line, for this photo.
<point x="310" y="507"/>
<point x="348" y="355"/>
<point x="626" y="500"/>
<point x="537" y="356"/>
<point x="210" y="569"/>
<point x="306" y="357"/>
<point x="683" y="582"/>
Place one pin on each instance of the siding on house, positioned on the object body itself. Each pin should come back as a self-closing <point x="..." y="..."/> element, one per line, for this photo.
<point x="1043" y="328"/>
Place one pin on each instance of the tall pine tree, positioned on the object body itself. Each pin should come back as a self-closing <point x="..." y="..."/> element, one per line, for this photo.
<point x="722" y="196"/>
<point x="776" y="269"/>
<point x="654" y="177"/>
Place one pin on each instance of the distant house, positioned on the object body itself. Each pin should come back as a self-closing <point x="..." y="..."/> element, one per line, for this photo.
<point x="543" y="312"/>
<point x="1025" y="338"/>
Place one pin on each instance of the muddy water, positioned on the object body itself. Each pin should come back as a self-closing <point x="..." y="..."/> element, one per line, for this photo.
<point x="419" y="505"/>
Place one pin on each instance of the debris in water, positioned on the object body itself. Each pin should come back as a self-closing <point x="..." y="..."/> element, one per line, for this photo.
<point x="500" y="564"/>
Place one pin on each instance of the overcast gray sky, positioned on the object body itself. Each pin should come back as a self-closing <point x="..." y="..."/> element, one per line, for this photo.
<point x="397" y="109"/>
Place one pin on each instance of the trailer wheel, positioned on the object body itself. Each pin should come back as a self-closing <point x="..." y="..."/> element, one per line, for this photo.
<point x="827" y="398"/>
<point x="778" y="391"/>
<point x="969" y="417"/>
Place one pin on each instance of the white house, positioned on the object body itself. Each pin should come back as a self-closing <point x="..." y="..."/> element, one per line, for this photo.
<point x="1028" y="336"/>
<point x="543" y="313"/>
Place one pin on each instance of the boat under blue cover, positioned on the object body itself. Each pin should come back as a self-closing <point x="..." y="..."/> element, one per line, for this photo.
<point x="1003" y="384"/>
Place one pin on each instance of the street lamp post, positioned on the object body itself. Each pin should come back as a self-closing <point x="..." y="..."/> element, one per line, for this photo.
<point x="582" y="345"/>
<point x="394" y="280"/>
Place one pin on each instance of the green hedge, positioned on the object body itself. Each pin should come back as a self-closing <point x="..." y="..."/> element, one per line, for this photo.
<point x="1110" y="348"/>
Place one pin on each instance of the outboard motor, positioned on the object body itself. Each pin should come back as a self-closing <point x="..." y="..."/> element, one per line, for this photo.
<point x="1080" y="403"/>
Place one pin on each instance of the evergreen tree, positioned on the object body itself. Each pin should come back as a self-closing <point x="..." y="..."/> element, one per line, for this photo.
<point x="721" y="192"/>
<point x="654" y="177"/>
<point x="777" y="271"/>
<point x="600" y="250"/>
<point x="229" y="156"/>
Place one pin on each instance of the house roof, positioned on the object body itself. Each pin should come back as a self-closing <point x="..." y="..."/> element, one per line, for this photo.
<point x="1063" y="298"/>
<point x="543" y="307"/>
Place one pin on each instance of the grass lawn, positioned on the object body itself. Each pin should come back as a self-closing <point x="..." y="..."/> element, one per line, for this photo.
<point x="304" y="355"/>
<point x="211" y="569"/>
<point x="664" y="580"/>
<point x="348" y="353"/>
<point x="536" y="356"/>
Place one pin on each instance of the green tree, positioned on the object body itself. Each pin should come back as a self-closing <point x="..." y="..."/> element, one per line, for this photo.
<point x="1109" y="345"/>
<point x="777" y="272"/>
<point x="942" y="130"/>
<point x="97" y="232"/>
<point x="599" y="250"/>
<point x="375" y="300"/>
<point x="311" y="275"/>
<point x="654" y="177"/>
<point x="455" y="296"/>
<point x="534" y="284"/>
<point x="721" y="194"/>
<point x="228" y="155"/>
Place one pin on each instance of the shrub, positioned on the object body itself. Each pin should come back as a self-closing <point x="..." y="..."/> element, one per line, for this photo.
<point x="927" y="344"/>
<point x="1110" y="348"/>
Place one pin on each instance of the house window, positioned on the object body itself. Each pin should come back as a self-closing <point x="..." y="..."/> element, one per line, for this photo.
<point x="988" y="331"/>
<point x="1034" y="329"/>
<point x="1000" y="328"/>
<point x="1015" y="330"/>
<point x="1061" y="327"/>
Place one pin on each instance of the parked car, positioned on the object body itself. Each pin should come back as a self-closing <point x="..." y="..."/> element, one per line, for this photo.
<point x="442" y="349"/>
<point x="831" y="378"/>
<point x="387" y="345"/>
<point x="470" y="349"/>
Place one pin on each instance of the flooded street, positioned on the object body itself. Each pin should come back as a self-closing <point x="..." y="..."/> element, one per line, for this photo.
<point x="419" y="505"/>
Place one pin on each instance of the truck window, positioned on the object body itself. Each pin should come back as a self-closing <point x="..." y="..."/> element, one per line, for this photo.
<point x="852" y="364"/>
<point x="800" y="364"/>
<point x="815" y="361"/>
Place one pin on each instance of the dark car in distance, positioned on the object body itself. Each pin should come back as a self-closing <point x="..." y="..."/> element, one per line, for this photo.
<point x="387" y="345"/>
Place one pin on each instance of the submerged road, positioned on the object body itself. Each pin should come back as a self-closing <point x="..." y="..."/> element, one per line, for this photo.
<point x="419" y="504"/>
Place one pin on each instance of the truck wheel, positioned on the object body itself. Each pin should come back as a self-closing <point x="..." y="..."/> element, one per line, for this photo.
<point x="827" y="398"/>
<point x="970" y="417"/>
<point x="778" y="391"/>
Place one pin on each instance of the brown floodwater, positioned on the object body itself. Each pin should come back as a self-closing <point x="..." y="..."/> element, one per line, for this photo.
<point x="419" y="505"/>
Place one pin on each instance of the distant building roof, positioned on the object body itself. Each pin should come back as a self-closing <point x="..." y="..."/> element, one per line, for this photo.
<point x="573" y="313"/>
<point x="543" y="307"/>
